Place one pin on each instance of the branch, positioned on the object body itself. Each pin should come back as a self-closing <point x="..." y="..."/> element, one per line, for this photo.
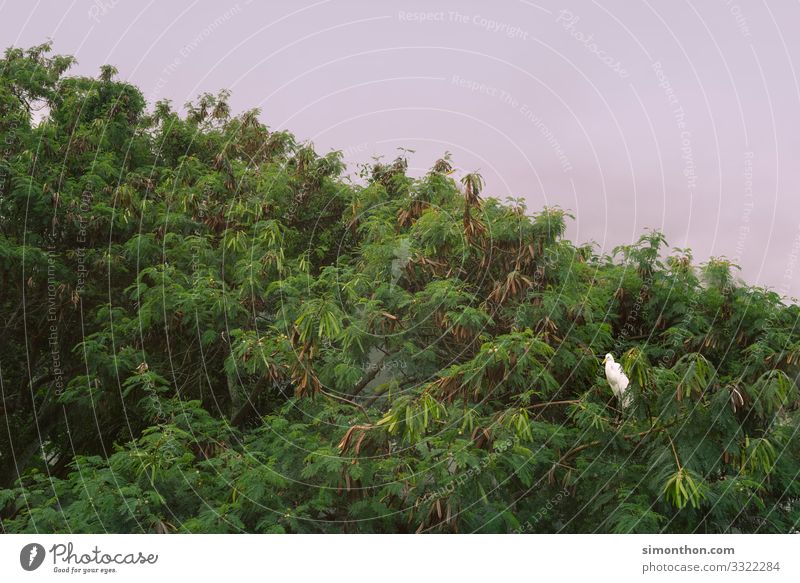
<point x="368" y="377"/>
<point x="386" y="387"/>
<point x="648" y="431"/>
<point x="348" y="401"/>
<point x="575" y="450"/>
<point x="675" y="453"/>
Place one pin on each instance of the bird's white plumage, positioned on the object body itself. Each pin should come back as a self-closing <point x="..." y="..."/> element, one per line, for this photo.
<point x="617" y="380"/>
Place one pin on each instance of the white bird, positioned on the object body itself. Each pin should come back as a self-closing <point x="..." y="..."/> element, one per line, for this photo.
<point x="617" y="380"/>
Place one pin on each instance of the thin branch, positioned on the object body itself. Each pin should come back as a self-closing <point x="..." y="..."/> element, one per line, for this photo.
<point x="576" y="450"/>
<point x="369" y="376"/>
<point x="648" y="431"/>
<point x="675" y="453"/>
<point x="348" y="401"/>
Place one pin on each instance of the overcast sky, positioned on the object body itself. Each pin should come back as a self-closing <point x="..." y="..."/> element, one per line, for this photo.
<point x="680" y="116"/>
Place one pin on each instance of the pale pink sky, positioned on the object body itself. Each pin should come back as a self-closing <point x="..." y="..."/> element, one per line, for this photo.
<point x="682" y="116"/>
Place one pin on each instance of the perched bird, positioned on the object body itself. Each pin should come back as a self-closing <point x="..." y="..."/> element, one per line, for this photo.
<point x="617" y="380"/>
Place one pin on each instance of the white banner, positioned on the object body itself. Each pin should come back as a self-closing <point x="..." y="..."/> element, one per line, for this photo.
<point x="387" y="558"/>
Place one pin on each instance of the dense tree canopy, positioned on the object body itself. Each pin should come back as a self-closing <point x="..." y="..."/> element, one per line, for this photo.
<point x="208" y="327"/>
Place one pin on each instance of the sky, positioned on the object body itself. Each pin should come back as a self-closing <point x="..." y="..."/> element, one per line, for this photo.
<point x="679" y="116"/>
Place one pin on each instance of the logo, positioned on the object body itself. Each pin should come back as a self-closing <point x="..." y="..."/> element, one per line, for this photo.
<point x="31" y="556"/>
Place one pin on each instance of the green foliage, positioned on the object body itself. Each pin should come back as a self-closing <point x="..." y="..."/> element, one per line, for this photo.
<point x="683" y="487"/>
<point x="208" y="328"/>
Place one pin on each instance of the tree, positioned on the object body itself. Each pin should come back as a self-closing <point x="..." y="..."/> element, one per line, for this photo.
<point x="208" y="328"/>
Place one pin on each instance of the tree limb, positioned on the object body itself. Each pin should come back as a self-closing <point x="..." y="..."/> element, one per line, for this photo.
<point x="369" y="376"/>
<point x="348" y="401"/>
